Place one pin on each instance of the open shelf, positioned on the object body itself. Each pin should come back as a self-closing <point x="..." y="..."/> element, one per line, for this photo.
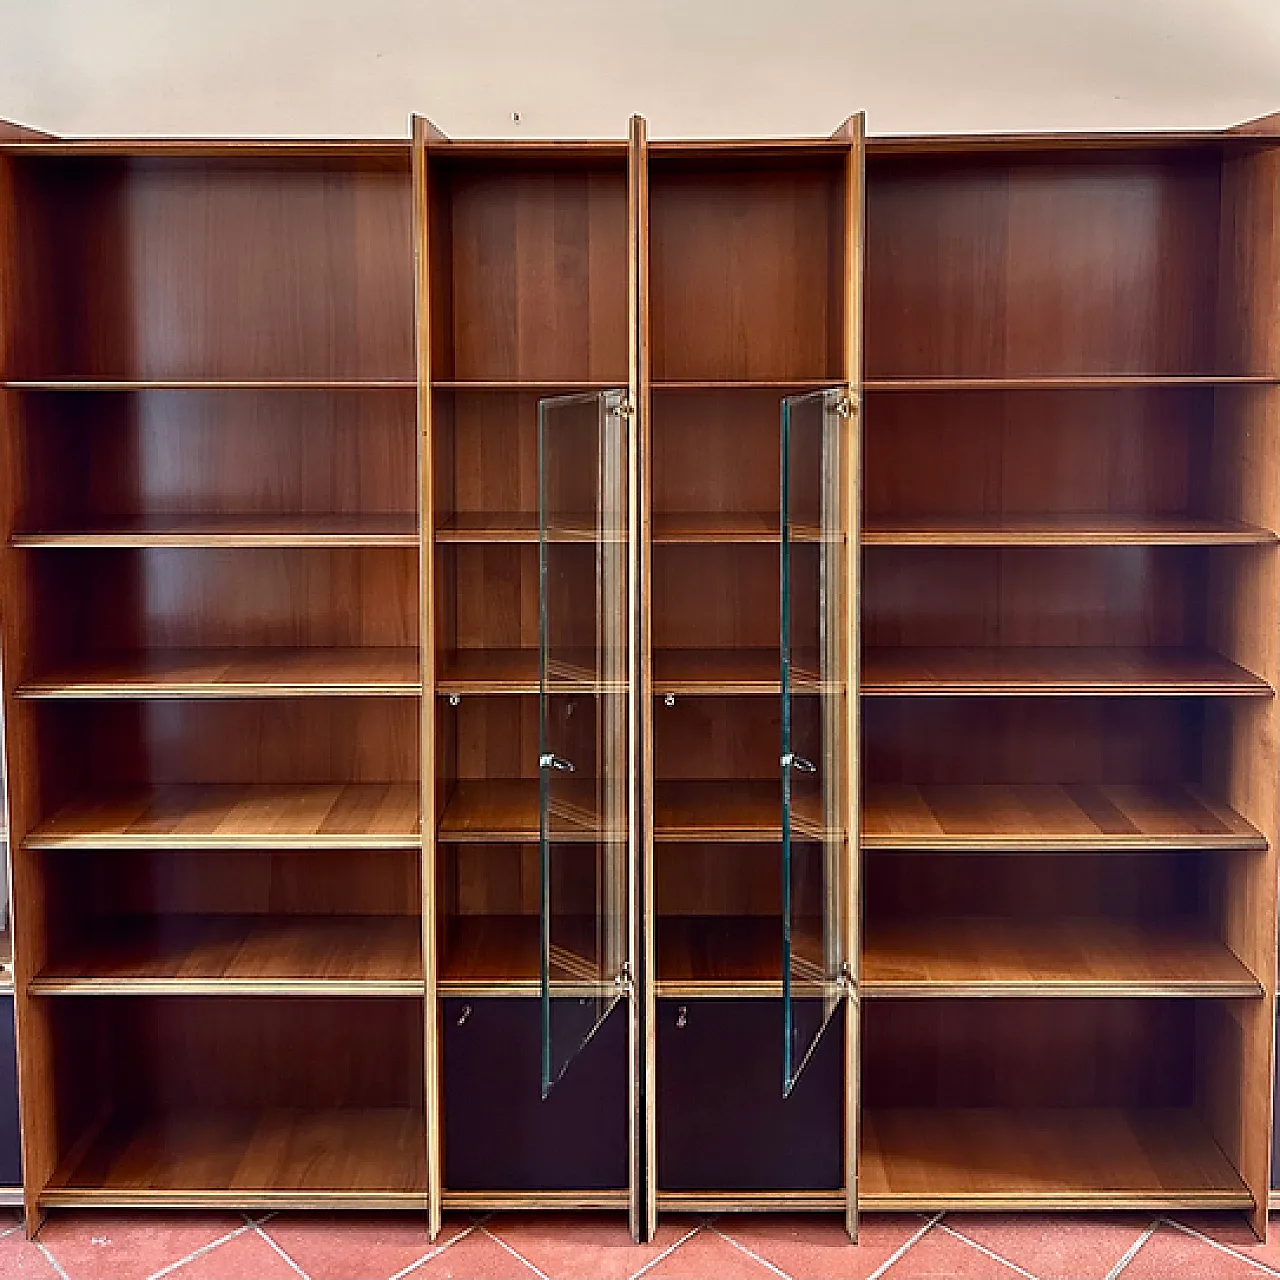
<point x="500" y="955"/>
<point x="1031" y="818"/>
<point x="1013" y="671"/>
<point x="1062" y="531"/>
<point x="234" y="531"/>
<point x="716" y="671"/>
<point x="718" y="809"/>
<point x="932" y="1158"/>
<point x="992" y="956"/>
<point x="488" y="526"/>
<point x="673" y="528"/>
<point x="719" y="955"/>
<point x="1066" y="382"/>
<point x="265" y="954"/>
<point x="220" y="816"/>
<point x="503" y="810"/>
<point x="272" y="1158"/>
<point x="234" y="673"/>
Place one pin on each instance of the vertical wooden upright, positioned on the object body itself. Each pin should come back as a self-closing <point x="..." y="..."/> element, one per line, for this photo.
<point x="644" y="1204"/>
<point x="423" y="131"/>
<point x="853" y="131"/>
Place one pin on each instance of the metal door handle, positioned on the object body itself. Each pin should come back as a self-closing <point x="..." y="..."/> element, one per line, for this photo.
<point x="549" y="761"/>
<point x="798" y="763"/>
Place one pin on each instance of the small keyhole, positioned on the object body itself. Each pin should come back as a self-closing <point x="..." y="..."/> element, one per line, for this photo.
<point x="669" y="700"/>
<point x="682" y="1018"/>
<point x="463" y="1014"/>
<point x="454" y="699"/>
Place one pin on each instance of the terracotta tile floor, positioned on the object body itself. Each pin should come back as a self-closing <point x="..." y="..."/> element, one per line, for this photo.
<point x="109" y="1246"/>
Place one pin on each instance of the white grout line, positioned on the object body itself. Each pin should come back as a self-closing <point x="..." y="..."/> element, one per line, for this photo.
<point x="991" y="1253"/>
<point x="515" y="1253"/>
<point x="51" y="1260"/>
<point x="279" y="1249"/>
<point x="436" y="1250"/>
<point x="200" y="1252"/>
<point x="898" y="1253"/>
<point x="1225" y="1248"/>
<point x="751" y="1253"/>
<point x="1132" y="1251"/>
<point x="668" y="1251"/>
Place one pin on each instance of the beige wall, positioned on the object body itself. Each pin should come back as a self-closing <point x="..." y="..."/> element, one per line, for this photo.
<point x="579" y="67"/>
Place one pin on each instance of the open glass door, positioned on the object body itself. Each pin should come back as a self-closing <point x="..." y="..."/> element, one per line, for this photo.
<point x="584" y="647"/>
<point x="814" y="683"/>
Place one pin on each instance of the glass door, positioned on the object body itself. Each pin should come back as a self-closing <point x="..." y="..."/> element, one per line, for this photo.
<point x="584" y="642"/>
<point x="814" y="687"/>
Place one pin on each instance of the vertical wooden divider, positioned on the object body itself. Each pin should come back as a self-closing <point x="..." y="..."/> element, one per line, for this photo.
<point x="853" y="131"/>
<point x="423" y="133"/>
<point x="644" y="1197"/>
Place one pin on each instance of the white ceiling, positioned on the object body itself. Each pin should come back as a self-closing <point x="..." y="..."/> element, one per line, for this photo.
<point x="578" y="68"/>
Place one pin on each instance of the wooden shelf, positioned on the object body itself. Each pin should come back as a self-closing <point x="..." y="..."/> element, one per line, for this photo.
<point x="501" y="955"/>
<point x="795" y="385"/>
<point x="1067" y="1157"/>
<point x="1049" y="819"/>
<point x="489" y="526"/>
<point x="341" y="816"/>
<point x="1061" y="531"/>
<point x="331" y="955"/>
<point x="505" y="810"/>
<point x="1066" y="382"/>
<point x="747" y="810"/>
<point x="1037" y="671"/>
<point x="373" y="1157"/>
<point x="675" y="528"/>
<point x="992" y="956"/>
<point x="719" y="956"/>
<point x="471" y="671"/>
<point x="716" y="671"/>
<point x="550" y="386"/>
<point x="234" y="673"/>
<point x="488" y="671"/>
<point x="234" y="531"/>
<point x="211" y="384"/>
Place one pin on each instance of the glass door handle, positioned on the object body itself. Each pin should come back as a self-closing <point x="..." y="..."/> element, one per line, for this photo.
<point x="798" y="763"/>
<point x="549" y="761"/>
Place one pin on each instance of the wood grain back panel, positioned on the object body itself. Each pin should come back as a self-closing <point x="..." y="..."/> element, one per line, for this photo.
<point x="745" y="273"/>
<point x="1029" y="740"/>
<point x="302" y="740"/>
<point x="274" y="452"/>
<point x="989" y="266"/>
<point x="150" y="268"/>
<point x="201" y="598"/>
<point x="531" y="262"/>
<point x="988" y="453"/>
<point x="1028" y="1053"/>
<point x="1102" y="596"/>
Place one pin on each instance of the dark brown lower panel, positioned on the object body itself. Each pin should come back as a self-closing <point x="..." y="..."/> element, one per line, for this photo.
<point x="499" y="1133"/>
<point x="723" y="1124"/>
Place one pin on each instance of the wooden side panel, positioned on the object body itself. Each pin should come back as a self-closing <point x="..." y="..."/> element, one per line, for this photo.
<point x="11" y="131"/>
<point x="854" y="240"/>
<point x="22" y="768"/>
<point x="642" y="1056"/>
<point x="429" y="794"/>
<point x="1242" y="755"/>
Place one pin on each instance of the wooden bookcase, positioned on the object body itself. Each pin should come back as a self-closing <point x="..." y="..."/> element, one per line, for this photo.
<point x="308" y="909"/>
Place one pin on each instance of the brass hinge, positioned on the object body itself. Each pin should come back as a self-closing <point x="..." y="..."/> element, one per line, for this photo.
<point x="847" y="407"/>
<point x="625" y="408"/>
<point x="623" y="981"/>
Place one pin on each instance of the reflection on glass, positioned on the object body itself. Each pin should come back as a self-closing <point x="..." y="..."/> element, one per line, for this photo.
<point x="814" y="662"/>
<point x="583" y="642"/>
